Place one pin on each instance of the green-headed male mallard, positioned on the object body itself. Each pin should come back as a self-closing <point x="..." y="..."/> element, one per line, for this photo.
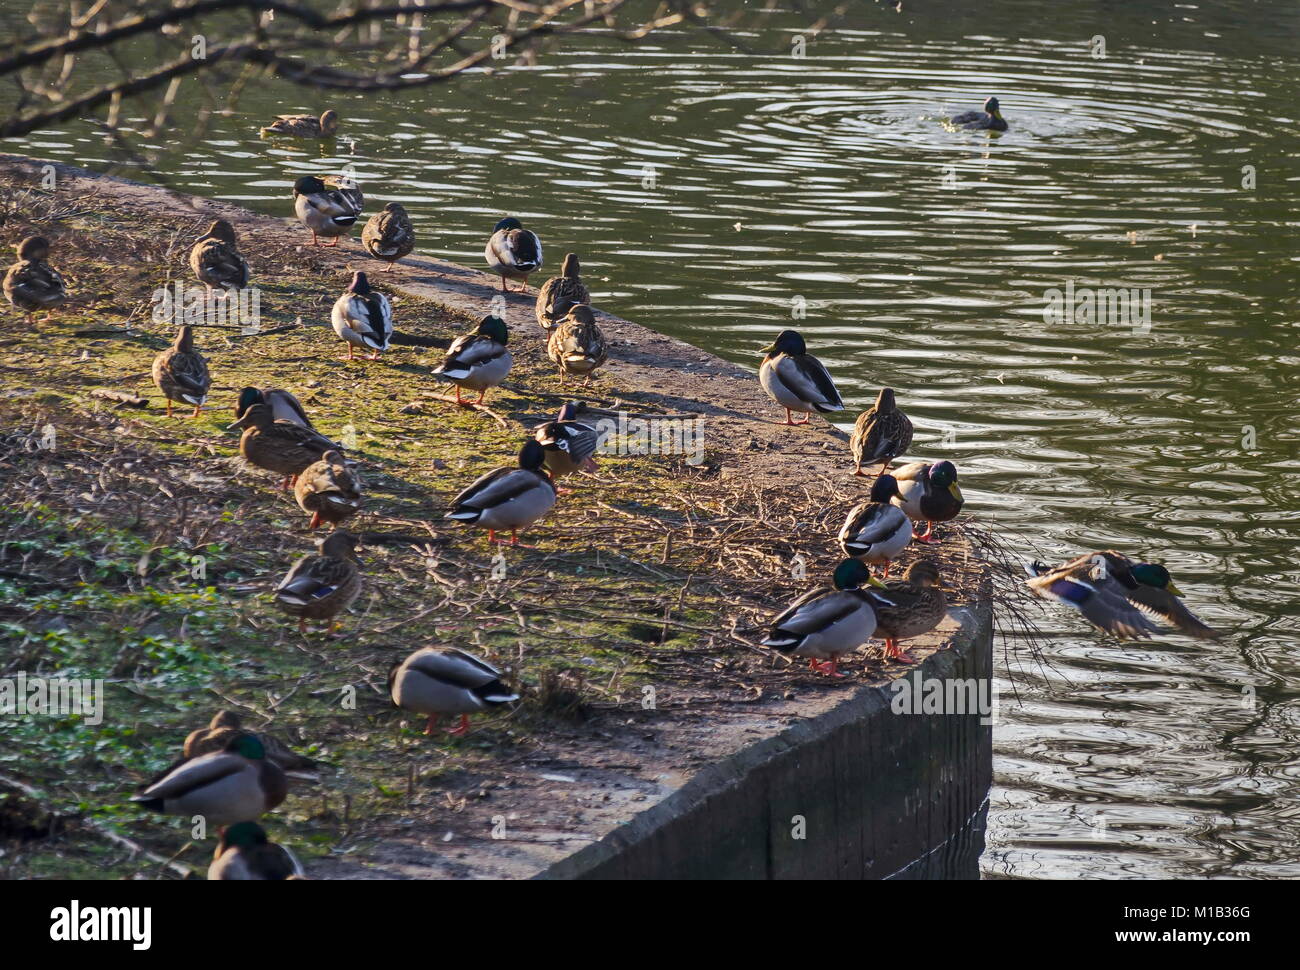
<point x="328" y="206"/>
<point x="569" y="444"/>
<point x="363" y="318"/>
<point x="913" y="605"/>
<point x="434" y="682"/>
<point x="305" y="126"/>
<point x="797" y="380"/>
<point x="181" y="373"/>
<point x="279" y="446"/>
<point x="477" y="360"/>
<point x="824" y="624"/>
<point x="513" y="252"/>
<point x="245" y="852"/>
<point x="32" y="284"/>
<point x="328" y="490"/>
<point x="929" y="494"/>
<point x="216" y="261"/>
<point x="508" y="498"/>
<point x="876" y="531"/>
<point x="989" y="119"/>
<point x="284" y="406"/>
<point x="237" y="784"/>
<point x="560" y="294"/>
<point x="1117" y="595"/>
<point x="881" y="433"/>
<point x="577" y="346"/>
<point x="319" y="587"/>
<point x="389" y="235"/>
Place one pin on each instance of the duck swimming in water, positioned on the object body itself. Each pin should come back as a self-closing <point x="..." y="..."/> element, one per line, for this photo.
<point x="989" y="119"/>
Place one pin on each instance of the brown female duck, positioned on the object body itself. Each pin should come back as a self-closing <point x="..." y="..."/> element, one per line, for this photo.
<point x="181" y="373"/>
<point x="279" y="446"/>
<point x="321" y="586"/>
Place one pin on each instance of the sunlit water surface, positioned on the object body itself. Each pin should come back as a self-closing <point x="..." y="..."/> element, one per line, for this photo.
<point x="711" y="192"/>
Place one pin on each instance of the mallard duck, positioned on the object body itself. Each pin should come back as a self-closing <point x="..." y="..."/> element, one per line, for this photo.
<point x="328" y="491"/>
<point x="363" y="318"/>
<point x="305" y="126"/>
<point x="328" y="207"/>
<point x="823" y="624"/>
<point x="284" y="406"/>
<point x="912" y="606"/>
<point x="881" y="433"/>
<point x="576" y="345"/>
<point x="561" y="293"/>
<point x="508" y="498"/>
<point x="236" y="784"/>
<point x="320" y="587"/>
<point x="1117" y="595"/>
<point x="797" y="380"/>
<point x="245" y="852"/>
<point x="568" y="444"/>
<point x="32" y="284"/>
<point x="434" y="682"/>
<point x="477" y="360"/>
<point x="181" y="373"/>
<point x="876" y="531"/>
<point x="216" y="261"/>
<point x="928" y="493"/>
<point x="389" y="235"/>
<point x="225" y="725"/>
<point x="279" y="446"/>
<point x="990" y="118"/>
<point x="513" y="252"/>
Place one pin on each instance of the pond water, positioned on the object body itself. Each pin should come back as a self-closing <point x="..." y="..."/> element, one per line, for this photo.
<point x="713" y="193"/>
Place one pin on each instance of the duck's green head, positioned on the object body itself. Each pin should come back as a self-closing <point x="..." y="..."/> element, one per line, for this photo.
<point x="532" y="456"/>
<point x="247" y="398"/>
<point x="247" y="745"/>
<point x="1154" y="574"/>
<point x="308" y="185"/>
<point x="943" y="474"/>
<point x="509" y="222"/>
<point x="495" y="328"/>
<point x="885" y="488"/>
<point x="245" y="835"/>
<point x="786" y="342"/>
<point x="851" y="574"/>
<point x="993" y="108"/>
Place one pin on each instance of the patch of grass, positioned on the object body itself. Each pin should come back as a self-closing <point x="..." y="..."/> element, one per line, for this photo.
<point x="140" y="550"/>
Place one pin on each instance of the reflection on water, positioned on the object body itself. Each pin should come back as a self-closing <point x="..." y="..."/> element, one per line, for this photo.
<point x="709" y="192"/>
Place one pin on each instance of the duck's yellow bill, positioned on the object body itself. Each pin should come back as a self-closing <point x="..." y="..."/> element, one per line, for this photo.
<point x="770" y="348"/>
<point x="955" y="492"/>
<point x="1174" y="589"/>
<point x="874" y="580"/>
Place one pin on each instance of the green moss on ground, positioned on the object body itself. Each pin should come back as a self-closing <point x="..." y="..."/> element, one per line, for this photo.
<point x="138" y="549"/>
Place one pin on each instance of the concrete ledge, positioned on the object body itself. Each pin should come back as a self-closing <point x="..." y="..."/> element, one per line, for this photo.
<point x="881" y="794"/>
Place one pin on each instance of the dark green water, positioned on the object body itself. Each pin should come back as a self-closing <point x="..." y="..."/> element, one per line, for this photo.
<point x="710" y="191"/>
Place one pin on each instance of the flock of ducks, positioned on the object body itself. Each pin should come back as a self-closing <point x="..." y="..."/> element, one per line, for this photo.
<point x="232" y="776"/>
<point x="1115" y="594"/>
